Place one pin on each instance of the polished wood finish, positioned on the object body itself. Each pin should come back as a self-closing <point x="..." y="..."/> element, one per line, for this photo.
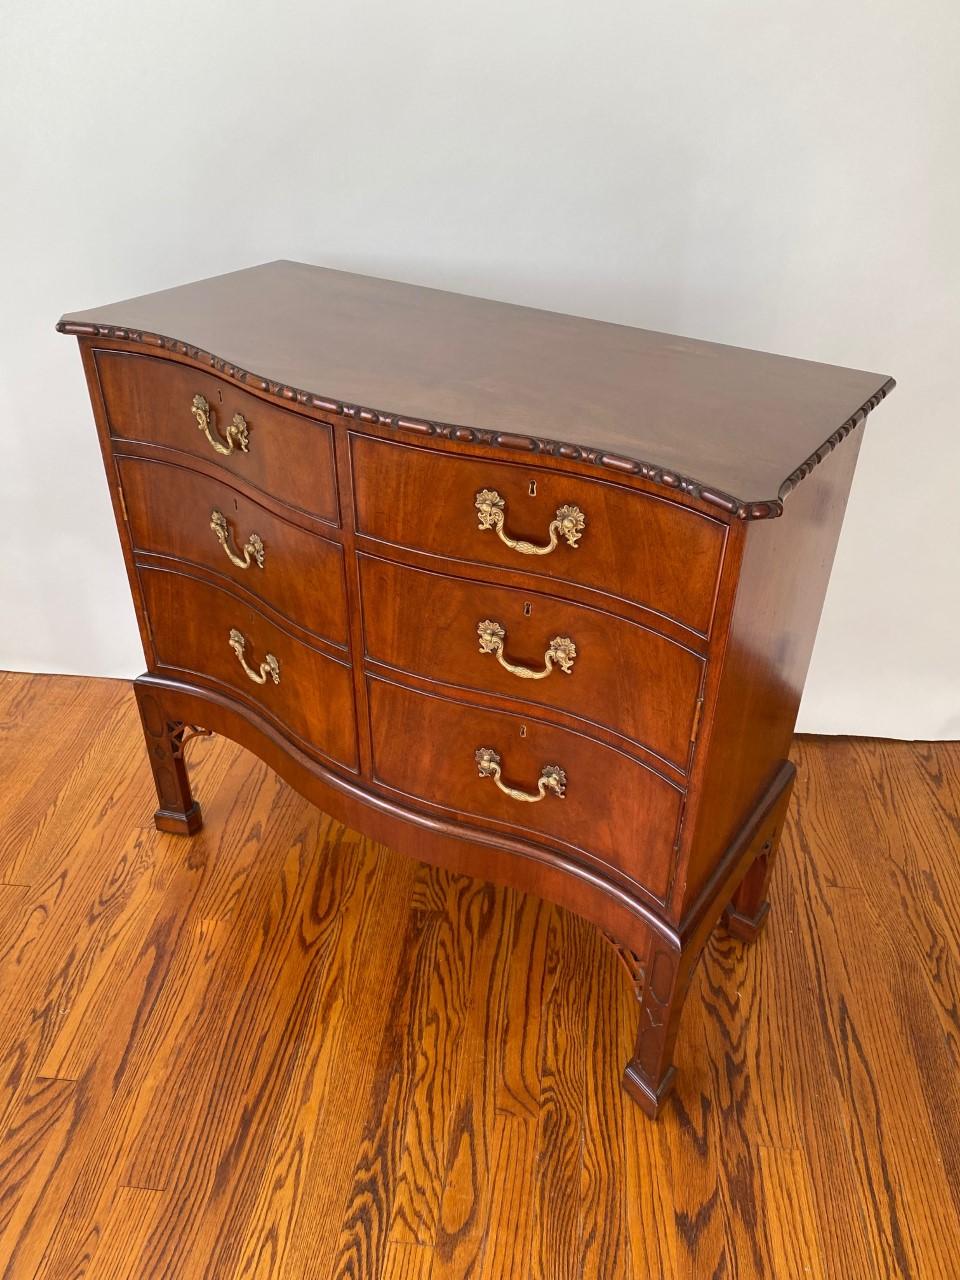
<point x="169" y="509"/>
<point x="190" y="626"/>
<point x="351" y="663"/>
<point x="149" y="401"/>
<point x="645" y="685"/>
<point x="636" y="836"/>
<point x="178" y="813"/>
<point x="782" y="582"/>
<point x="741" y="426"/>
<point x="639" y="548"/>
<point x="281" y="1050"/>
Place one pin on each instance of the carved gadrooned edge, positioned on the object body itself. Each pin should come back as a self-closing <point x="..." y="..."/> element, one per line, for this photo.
<point x="764" y="510"/>
<point x="805" y="467"/>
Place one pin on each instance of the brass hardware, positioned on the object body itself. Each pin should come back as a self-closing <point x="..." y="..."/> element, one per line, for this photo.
<point x="269" y="667"/>
<point x="569" y="523"/>
<point x="252" y="549"/>
<point x="552" y="777"/>
<point x="237" y="433"/>
<point x="562" y="651"/>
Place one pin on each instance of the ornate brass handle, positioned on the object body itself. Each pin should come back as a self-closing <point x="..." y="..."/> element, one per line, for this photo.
<point x="569" y="523"/>
<point x="252" y="549"/>
<point x="237" y="434"/>
<point x="562" y="651"/>
<point x="269" y="667"/>
<point x="552" y="778"/>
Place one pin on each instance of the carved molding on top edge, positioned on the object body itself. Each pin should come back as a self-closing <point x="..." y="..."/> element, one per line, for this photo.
<point x="856" y="420"/>
<point x="497" y="439"/>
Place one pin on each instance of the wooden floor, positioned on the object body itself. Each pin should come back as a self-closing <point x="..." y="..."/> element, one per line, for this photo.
<point x="278" y="1050"/>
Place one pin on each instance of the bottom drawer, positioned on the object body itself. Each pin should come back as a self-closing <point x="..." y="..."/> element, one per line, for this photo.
<point x="615" y="811"/>
<point x="201" y="630"/>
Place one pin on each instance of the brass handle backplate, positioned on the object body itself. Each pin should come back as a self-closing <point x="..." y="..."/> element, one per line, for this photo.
<point x="552" y="778"/>
<point x="562" y="651"/>
<point x="253" y="549"/>
<point x="569" y="523"/>
<point x="237" y="432"/>
<point x="269" y="667"/>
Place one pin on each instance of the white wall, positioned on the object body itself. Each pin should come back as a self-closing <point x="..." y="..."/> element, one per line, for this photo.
<point x="778" y="175"/>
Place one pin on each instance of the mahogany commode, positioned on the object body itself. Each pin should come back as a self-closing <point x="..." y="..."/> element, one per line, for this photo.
<point x="526" y="595"/>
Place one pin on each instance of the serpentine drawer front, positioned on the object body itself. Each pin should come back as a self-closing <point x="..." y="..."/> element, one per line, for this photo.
<point x="158" y="402"/>
<point x="634" y="841"/>
<point x="631" y="547"/>
<point x="178" y="513"/>
<point x="528" y="596"/>
<point x="534" y="648"/>
<point x="203" y="632"/>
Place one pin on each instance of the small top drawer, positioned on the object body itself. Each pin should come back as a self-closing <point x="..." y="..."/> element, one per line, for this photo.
<point x="643" y="549"/>
<point x="283" y="454"/>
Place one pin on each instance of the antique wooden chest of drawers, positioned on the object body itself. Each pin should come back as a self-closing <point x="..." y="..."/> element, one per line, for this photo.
<point x="526" y="595"/>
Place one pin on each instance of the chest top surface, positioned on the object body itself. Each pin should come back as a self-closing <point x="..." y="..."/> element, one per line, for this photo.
<point x="740" y="426"/>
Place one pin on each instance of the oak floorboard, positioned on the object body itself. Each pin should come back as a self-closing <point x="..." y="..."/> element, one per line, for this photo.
<point x="556" y="1217"/>
<point x="407" y="1262"/>
<point x="278" y="1051"/>
<point x="113" y="1251"/>
<point x="32" y="1149"/>
<point x="463" y="1235"/>
<point x="433" y="1053"/>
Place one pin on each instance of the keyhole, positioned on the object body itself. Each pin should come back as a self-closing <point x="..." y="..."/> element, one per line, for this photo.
<point x="527" y="609"/>
<point x="533" y="489"/>
<point x="220" y="396"/>
<point x="523" y="731"/>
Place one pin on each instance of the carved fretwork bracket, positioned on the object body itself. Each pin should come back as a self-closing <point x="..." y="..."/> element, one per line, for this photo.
<point x="180" y="734"/>
<point x="630" y="961"/>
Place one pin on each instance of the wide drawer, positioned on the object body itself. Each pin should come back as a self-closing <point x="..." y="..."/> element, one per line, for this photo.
<point x="619" y="674"/>
<point x="286" y="455"/>
<point x="195" y="627"/>
<point x="615" y="812"/>
<point x="628" y="544"/>
<point x="173" y="511"/>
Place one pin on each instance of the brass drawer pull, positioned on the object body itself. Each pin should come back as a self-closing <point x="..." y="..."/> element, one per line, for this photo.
<point x="562" y="651"/>
<point x="237" y="433"/>
<point x="269" y="667"/>
<point x="252" y="549"/>
<point x="552" y="777"/>
<point x="569" y="523"/>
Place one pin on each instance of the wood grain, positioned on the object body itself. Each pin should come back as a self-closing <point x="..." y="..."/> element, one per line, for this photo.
<point x="149" y="401"/>
<point x="280" y="1051"/>
<point x="625" y="399"/>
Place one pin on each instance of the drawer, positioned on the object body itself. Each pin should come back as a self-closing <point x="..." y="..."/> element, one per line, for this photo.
<point x="643" y="549"/>
<point x="615" y="812"/>
<point x="172" y="511"/>
<point x="192" y="624"/>
<point x="288" y="456"/>
<point x="623" y="676"/>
